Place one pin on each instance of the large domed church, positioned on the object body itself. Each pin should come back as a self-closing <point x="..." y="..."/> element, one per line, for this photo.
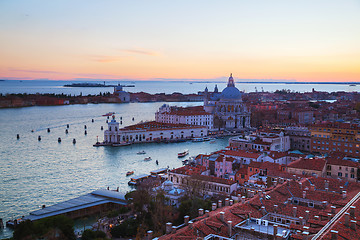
<point x="227" y="107"/>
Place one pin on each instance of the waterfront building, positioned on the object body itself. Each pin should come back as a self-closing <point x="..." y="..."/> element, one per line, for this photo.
<point x="151" y="132"/>
<point x="331" y="137"/>
<point x="188" y="115"/>
<point x="228" y="109"/>
<point x="121" y="94"/>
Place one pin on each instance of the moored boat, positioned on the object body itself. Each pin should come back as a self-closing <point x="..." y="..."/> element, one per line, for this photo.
<point x="129" y="173"/>
<point x="120" y="144"/>
<point x="199" y="139"/>
<point x="184" y="153"/>
<point x="147" y="159"/>
<point x="141" y="152"/>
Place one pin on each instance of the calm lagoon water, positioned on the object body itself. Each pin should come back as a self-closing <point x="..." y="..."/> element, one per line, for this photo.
<point x="35" y="172"/>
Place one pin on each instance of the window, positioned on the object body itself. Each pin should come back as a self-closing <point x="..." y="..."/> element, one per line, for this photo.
<point x="340" y="174"/>
<point x="352" y="175"/>
<point x="311" y="204"/>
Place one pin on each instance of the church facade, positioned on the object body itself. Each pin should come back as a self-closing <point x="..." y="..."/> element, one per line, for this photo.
<point x="228" y="110"/>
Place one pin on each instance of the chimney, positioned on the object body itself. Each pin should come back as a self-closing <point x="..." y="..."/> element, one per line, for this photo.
<point x="173" y="229"/>
<point x="222" y="216"/>
<point x="227" y="201"/>
<point x="207" y="213"/>
<point x="307" y="215"/>
<point x="275" y="230"/>
<point x="326" y="184"/>
<point x="352" y="211"/>
<point x="324" y="204"/>
<point x="343" y="194"/>
<point x="317" y="218"/>
<point x="149" y="234"/>
<point x="168" y="227"/>
<point x="304" y="194"/>
<point x="334" y="235"/>
<point x="294" y="211"/>
<point x="329" y="215"/>
<point x="326" y="189"/>
<point x="219" y="204"/>
<point x="201" y="211"/>
<point x="186" y="220"/>
<point x="353" y="225"/>
<point x="239" y="196"/>
<point x="230" y="228"/>
<point x="302" y="222"/>
<point x="231" y="202"/>
<point x="243" y="199"/>
<point x="312" y="187"/>
<point x="305" y="235"/>
<point x="213" y="207"/>
<point x="347" y="219"/>
<point x="191" y="224"/>
<point x="333" y="208"/>
<point x="263" y="210"/>
<point x="275" y="209"/>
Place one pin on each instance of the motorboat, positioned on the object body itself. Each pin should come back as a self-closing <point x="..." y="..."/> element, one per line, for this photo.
<point x="184" y="153"/>
<point x="141" y="152"/>
<point x="108" y="114"/>
<point x="199" y="139"/>
<point x="129" y="173"/>
<point x="147" y="159"/>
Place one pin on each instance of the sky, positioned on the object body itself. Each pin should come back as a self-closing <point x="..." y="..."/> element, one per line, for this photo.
<point x="300" y="40"/>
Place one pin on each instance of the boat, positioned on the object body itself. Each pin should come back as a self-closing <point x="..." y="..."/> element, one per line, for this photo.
<point x="121" y="144"/>
<point x="141" y="152"/>
<point x="147" y="159"/>
<point x="212" y="141"/>
<point x="184" y="153"/>
<point x="199" y="139"/>
<point x="206" y="139"/>
<point x="352" y="85"/>
<point x="108" y="114"/>
<point x="129" y="173"/>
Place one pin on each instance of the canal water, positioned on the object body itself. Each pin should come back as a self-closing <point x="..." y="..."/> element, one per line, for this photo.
<point x="35" y="172"/>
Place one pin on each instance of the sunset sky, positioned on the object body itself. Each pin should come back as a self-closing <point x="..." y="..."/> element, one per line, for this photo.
<point x="302" y="40"/>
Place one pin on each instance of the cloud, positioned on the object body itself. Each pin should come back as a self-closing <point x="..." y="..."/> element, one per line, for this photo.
<point x="140" y="51"/>
<point x="33" y="71"/>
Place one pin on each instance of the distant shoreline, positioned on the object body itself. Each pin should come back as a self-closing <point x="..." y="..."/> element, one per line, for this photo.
<point x="239" y="81"/>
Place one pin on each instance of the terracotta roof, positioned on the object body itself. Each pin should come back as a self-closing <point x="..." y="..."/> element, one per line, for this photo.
<point x="341" y="162"/>
<point x="242" y="153"/>
<point x="316" y="164"/>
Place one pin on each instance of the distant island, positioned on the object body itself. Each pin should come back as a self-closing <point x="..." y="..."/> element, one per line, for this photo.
<point x="88" y="85"/>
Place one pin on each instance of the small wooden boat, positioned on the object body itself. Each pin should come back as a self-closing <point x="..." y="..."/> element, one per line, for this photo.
<point x="141" y="152"/>
<point x="129" y="173"/>
<point x="184" y="153"/>
<point x="147" y="159"/>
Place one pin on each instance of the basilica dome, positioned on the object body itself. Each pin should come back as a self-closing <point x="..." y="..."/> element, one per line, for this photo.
<point x="231" y="92"/>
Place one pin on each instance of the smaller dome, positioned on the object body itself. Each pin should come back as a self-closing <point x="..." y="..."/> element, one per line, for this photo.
<point x="168" y="185"/>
